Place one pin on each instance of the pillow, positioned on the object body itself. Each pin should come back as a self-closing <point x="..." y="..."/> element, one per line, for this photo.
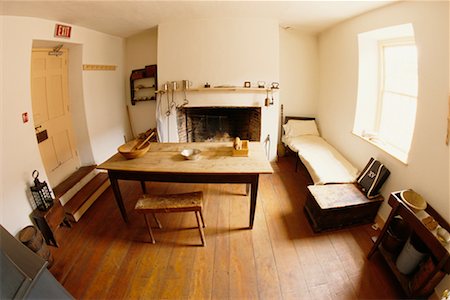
<point x="300" y="127"/>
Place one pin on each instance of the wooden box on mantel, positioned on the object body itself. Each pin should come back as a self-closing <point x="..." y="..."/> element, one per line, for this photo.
<point x="243" y="151"/>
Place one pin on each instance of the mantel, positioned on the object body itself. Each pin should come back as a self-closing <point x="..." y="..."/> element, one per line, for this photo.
<point x="228" y="89"/>
<point x="219" y="106"/>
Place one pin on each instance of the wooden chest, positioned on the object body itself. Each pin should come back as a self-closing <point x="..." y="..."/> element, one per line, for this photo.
<point x="335" y="206"/>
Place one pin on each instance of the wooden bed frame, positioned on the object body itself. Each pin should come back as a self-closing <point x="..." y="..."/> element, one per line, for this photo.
<point x="298" y="160"/>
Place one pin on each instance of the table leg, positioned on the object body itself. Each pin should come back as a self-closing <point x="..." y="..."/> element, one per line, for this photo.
<point x="253" y="197"/>
<point x="144" y="189"/>
<point x="118" y="197"/>
<point x="247" y="189"/>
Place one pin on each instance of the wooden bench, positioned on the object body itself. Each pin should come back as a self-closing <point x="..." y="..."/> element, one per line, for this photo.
<point x="334" y="206"/>
<point x="168" y="203"/>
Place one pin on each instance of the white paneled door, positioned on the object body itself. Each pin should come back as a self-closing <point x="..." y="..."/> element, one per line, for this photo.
<point x="51" y="113"/>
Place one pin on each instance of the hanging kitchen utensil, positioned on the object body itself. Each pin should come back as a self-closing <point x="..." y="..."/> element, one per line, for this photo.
<point x="267" y="100"/>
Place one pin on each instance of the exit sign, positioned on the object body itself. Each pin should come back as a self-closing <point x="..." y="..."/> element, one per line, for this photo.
<point x="62" y="31"/>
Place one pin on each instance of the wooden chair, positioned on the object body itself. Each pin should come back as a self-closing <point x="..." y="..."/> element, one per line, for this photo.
<point x="168" y="203"/>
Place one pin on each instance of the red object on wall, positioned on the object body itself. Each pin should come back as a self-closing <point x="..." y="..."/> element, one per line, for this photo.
<point x="25" y="117"/>
<point x="62" y="30"/>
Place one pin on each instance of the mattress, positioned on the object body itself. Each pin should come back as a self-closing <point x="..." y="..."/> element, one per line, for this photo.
<point x="323" y="162"/>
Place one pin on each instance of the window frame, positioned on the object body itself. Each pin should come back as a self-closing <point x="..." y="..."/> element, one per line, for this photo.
<point x="382" y="44"/>
<point x="405" y="41"/>
<point x="370" y="132"/>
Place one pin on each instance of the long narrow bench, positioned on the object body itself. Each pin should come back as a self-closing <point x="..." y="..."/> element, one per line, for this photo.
<point x="168" y="203"/>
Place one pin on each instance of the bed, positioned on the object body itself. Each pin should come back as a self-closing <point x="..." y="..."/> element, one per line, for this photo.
<point x="324" y="163"/>
<point x="335" y="200"/>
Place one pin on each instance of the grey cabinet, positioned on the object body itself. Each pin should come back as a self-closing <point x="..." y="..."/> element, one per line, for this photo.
<point x="24" y="274"/>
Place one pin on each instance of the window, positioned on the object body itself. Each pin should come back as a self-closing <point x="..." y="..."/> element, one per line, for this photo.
<point x="387" y="89"/>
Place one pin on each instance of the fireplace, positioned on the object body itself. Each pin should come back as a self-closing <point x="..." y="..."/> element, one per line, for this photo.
<point x="215" y="124"/>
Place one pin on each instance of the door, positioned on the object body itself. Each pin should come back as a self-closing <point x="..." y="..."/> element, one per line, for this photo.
<point x="51" y="113"/>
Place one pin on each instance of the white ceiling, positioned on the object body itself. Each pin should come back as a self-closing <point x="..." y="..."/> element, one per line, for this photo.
<point x="126" y="18"/>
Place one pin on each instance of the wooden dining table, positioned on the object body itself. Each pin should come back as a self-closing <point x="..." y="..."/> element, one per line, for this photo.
<point x="216" y="164"/>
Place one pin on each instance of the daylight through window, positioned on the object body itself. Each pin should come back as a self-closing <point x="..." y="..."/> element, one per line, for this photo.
<point x="388" y="89"/>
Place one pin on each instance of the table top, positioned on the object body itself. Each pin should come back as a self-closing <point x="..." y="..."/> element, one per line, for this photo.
<point x="215" y="158"/>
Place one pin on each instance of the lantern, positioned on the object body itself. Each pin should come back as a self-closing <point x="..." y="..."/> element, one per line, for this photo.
<point x="41" y="193"/>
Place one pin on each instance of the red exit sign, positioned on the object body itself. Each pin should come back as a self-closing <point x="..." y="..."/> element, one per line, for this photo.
<point x="62" y="31"/>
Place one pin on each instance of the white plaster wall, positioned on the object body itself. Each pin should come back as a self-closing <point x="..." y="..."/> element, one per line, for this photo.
<point x="222" y="52"/>
<point x="78" y="108"/>
<point x="299" y="73"/>
<point x="103" y="94"/>
<point x="427" y="171"/>
<point x="140" y="51"/>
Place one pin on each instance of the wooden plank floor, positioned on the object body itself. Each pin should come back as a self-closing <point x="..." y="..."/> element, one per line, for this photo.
<point x="101" y="257"/>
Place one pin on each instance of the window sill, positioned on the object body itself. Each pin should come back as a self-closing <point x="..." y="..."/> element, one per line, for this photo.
<point x="392" y="151"/>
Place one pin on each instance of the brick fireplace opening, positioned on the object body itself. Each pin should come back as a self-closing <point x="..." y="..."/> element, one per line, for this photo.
<point x="215" y="124"/>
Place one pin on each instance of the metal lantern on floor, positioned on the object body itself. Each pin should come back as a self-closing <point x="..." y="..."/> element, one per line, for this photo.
<point x="41" y="193"/>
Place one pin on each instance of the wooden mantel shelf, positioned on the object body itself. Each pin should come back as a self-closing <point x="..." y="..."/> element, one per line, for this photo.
<point x="229" y="89"/>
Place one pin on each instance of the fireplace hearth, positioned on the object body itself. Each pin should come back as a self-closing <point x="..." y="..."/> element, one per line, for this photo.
<point x="217" y="124"/>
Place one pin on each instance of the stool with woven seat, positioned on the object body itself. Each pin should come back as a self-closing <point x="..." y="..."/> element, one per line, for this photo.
<point x="167" y="203"/>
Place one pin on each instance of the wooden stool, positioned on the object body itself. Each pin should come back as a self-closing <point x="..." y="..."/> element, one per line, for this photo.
<point x="167" y="203"/>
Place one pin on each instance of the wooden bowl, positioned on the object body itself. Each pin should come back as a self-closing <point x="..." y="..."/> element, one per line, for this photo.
<point x="129" y="153"/>
<point x="413" y="200"/>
